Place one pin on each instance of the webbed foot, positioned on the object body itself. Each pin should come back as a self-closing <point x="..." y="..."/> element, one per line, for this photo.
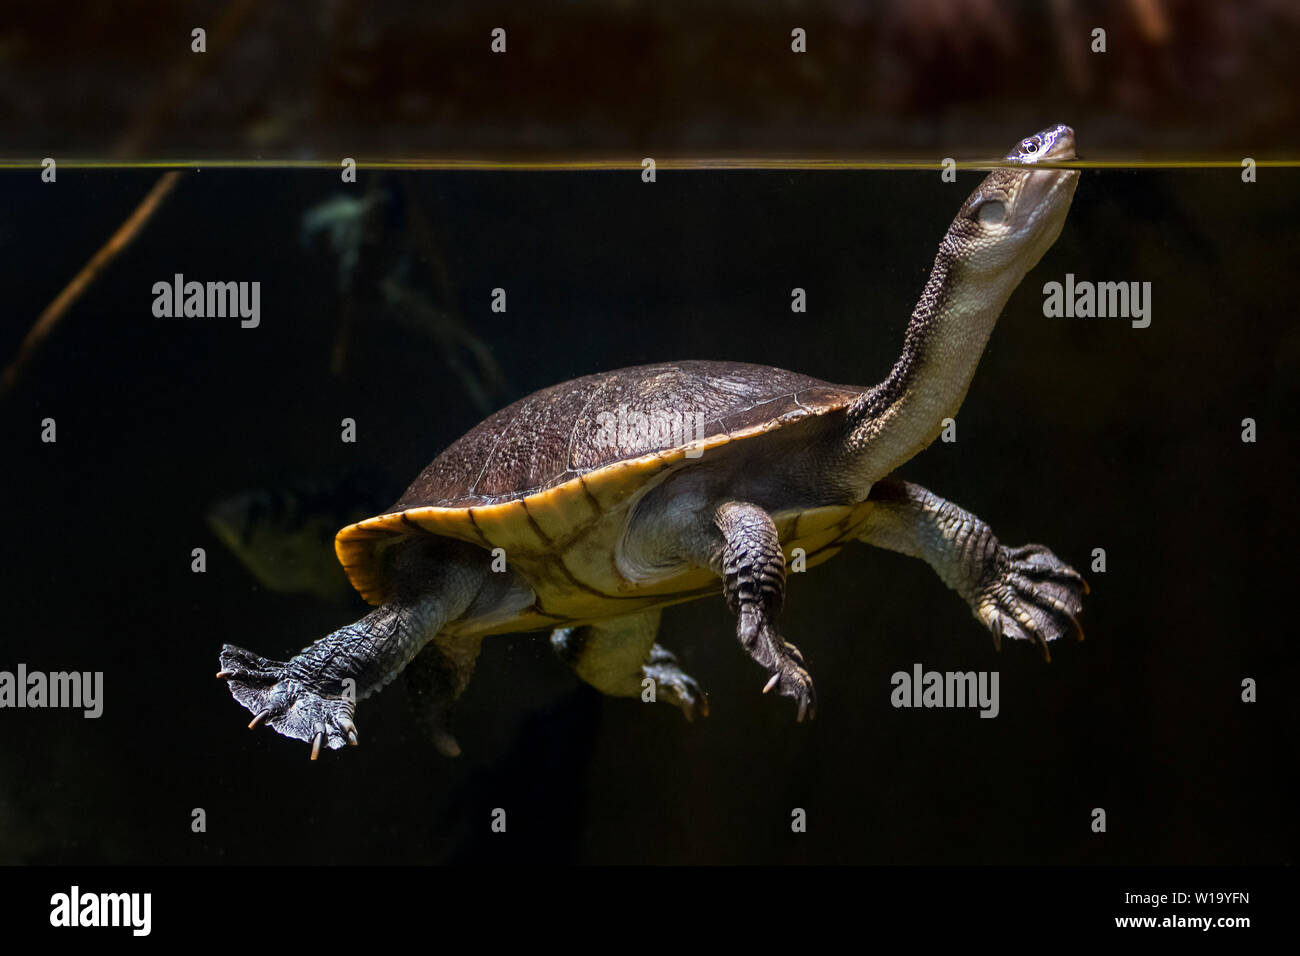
<point x="679" y="687"/>
<point x="1034" y="596"/>
<point x="289" y="706"/>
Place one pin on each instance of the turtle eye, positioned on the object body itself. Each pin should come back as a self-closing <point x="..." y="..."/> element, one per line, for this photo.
<point x="991" y="212"/>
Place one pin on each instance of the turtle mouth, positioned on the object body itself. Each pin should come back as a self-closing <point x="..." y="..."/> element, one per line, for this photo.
<point x="1042" y="186"/>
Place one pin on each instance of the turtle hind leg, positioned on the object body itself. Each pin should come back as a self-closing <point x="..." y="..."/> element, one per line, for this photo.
<point x="434" y="680"/>
<point x="312" y="696"/>
<point x="618" y="656"/>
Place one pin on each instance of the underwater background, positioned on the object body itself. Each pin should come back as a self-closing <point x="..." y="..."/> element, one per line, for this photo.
<point x="375" y="306"/>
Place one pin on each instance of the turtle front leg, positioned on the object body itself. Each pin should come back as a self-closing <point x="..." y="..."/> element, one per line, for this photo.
<point x="1024" y="593"/>
<point x="313" y="695"/>
<point x="747" y="554"/>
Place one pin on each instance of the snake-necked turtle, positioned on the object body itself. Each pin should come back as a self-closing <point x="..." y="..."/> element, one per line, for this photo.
<point x="587" y="507"/>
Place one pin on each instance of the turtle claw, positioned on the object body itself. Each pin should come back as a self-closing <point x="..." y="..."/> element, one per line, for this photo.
<point x="791" y="679"/>
<point x="1034" y="596"/>
<point x="805" y="708"/>
<point x="801" y="690"/>
<point x="349" y="730"/>
<point x="289" y="706"/>
<point x="316" y="740"/>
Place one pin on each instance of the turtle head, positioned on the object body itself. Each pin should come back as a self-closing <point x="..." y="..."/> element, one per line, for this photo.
<point x="1015" y="214"/>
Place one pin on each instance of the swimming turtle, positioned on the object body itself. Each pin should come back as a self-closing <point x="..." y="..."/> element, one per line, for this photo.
<point x="587" y="507"/>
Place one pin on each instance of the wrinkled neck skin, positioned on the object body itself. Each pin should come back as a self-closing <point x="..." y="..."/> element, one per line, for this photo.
<point x="946" y="336"/>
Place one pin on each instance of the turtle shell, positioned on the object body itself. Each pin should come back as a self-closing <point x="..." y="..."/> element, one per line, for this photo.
<point x="535" y="476"/>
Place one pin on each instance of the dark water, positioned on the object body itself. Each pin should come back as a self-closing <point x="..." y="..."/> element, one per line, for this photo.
<point x="1076" y="433"/>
